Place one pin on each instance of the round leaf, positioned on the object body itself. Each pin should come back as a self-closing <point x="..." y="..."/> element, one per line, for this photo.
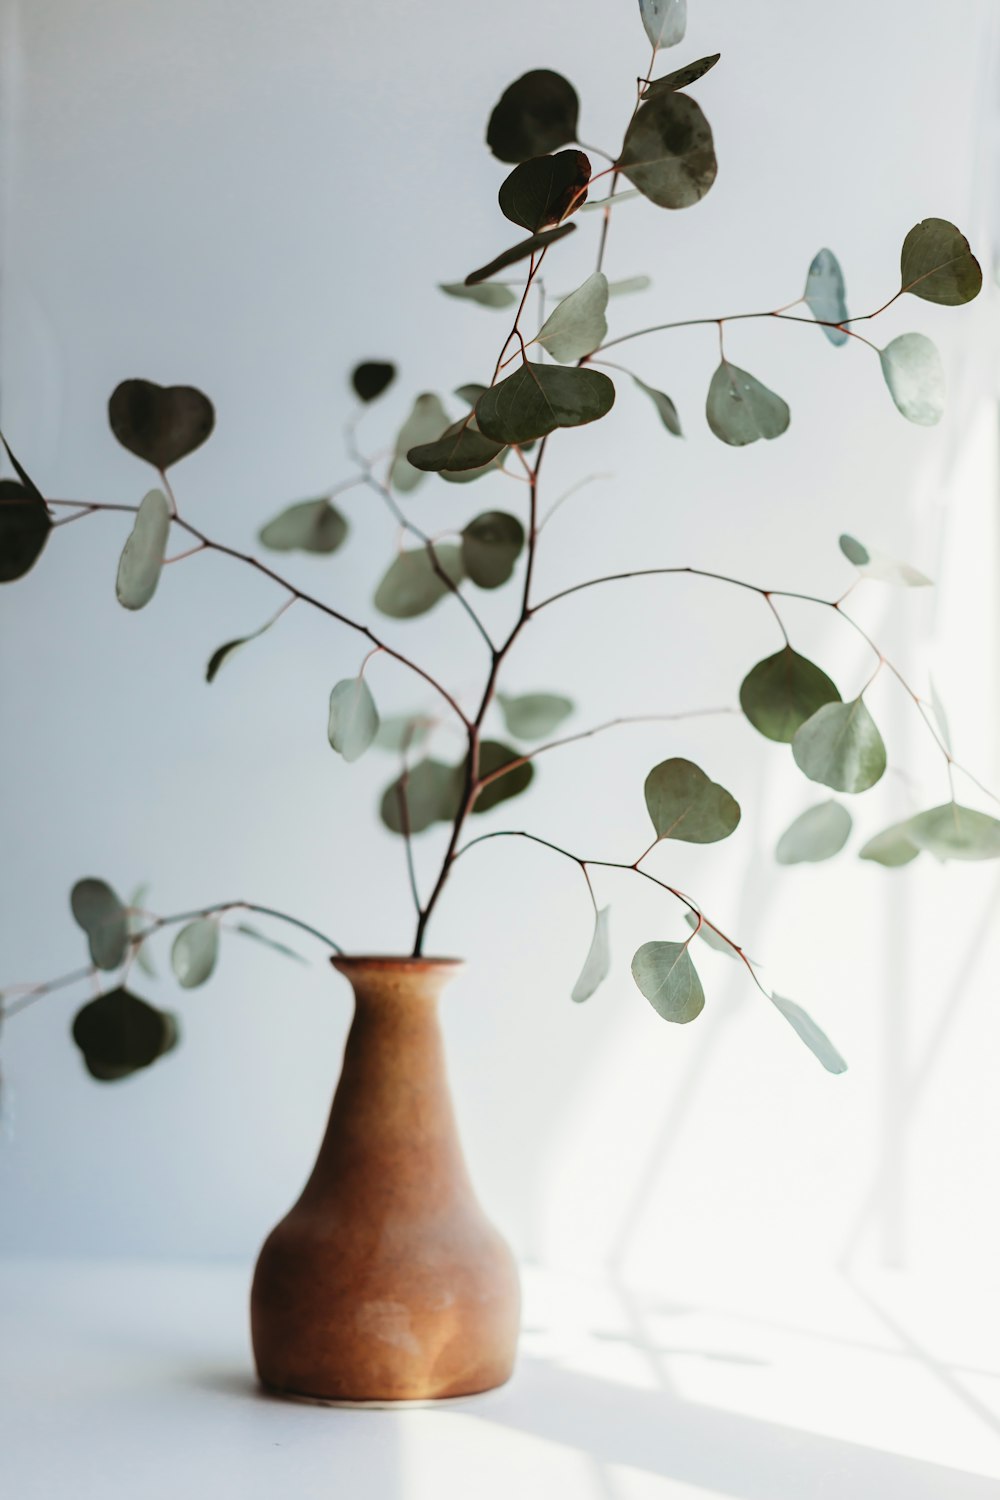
<point x="841" y="747"/>
<point x="937" y="264"/>
<point x="892" y="847"/>
<point x="817" y="834"/>
<point x="536" y="114"/>
<point x="668" y="152"/>
<point x="353" y="721"/>
<point x="534" y="716"/>
<point x="307" y="526"/>
<point x="372" y="378"/>
<point x="666" y="409"/>
<point x="24" y="529"/>
<point x="825" y="294"/>
<point x="681" y="77"/>
<point x="914" y="374"/>
<point x="955" y="832"/>
<point x="142" y="557"/>
<point x="877" y="565"/>
<point x="685" y="804"/>
<point x="781" y="692"/>
<point x="597" y="964"/>
<point x="578" y="325"/>
<point x="543" y="191"/>
<point x="491" y="545"/>
<point x="118" y="1034"/>
<point x="194" y="952"/>
<point x="493" y="755"/>
<point x="816" y="1040"/>
<point x="161" y="424"/>
<point x="665" y="21"/>
<point x="536" y="399"/>
<point x="103" y="918"/>
<point x="517" y="252"/>
<point x="740" y="409"/>
<point x="669" y="980"/>
<point x="432" y="793"/>
<point x="412" y="587"/>
<point x="460" y="447"/>
<point x="425" y="424"/>
<point x="486" y="296"/>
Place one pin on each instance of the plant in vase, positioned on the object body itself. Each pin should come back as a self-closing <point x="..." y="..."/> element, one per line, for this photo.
<point x="385" y="1281"/>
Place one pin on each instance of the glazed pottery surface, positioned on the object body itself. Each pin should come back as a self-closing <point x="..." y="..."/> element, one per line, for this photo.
<point x="386" y="1281"/>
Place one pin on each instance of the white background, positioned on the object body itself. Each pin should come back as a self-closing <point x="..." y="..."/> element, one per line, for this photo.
<point x="252" y="197"/>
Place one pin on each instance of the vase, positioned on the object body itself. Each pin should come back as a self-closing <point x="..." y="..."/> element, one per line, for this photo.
<point x="386" y="1282"/>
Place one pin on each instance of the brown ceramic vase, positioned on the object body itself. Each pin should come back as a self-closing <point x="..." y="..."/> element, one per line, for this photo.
<point x="386" y="1281"/>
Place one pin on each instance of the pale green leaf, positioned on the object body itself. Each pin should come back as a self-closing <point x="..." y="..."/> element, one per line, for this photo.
<point x="878" y="565"/>
<point x="487" y="295"/>
<point x="740" y="409"/>
<point x="825" y="295"/>
<point x="411" y="586"/>
<point x="534" y="716"/>
<point x="597" y="964"/>
<point x="914" y="374"/>
<point x="713" y="939"/>
<point x="579" y="324"/>
<point x="246" y="930"/>
<point x="628" y="285"/>
<point x="425" y="424"/>
<point x="665" y="21"/>
<point x="892" y="847"/>
<point x="685" y="804"/>
<point x="353" y="720"/>
<point x="142" y="558"/>
<point x="307" y="526"/>
<point x="666" y="409"/>
<point x="841" y="747"/>
<point x="805" y="1027"/>
<point x="428" y="793"/>
<point x="194" y="952"/>
<point x="817" y="834"/>
<point x="403" y="732"/>
<point x="669" y="980"/>
<point x="491" y="545"/>
<point x="103" y="917"/>
<point x="955" y="832"/>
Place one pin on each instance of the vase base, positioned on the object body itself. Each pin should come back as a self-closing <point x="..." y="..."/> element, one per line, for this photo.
<point x="385" y="1404"/>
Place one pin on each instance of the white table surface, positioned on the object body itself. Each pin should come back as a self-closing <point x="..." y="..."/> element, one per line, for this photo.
<point x="134" y="1380"/>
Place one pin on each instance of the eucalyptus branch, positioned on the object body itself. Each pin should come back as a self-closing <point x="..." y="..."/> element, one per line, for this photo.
<point x="778" y="314"/>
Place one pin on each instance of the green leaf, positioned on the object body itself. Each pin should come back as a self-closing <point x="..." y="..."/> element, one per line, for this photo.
<point x="937" y="264"/>
<point x="486" y="296"/>
<point x="268" y="942"/>
<point x="685" y="804"/>
<point x="118" y="1034"/>
<point x="161" y="424"/>
<point x="425" y="424"/>
<point x="681" y="77"/>
<point x="665" y="21"/>
<point x="372" y="378"/>
<point x="493" y="755"/>
<point x="536" y="114"/>
<point x="578" y="325"/>
<point x="714" y="939"/>
<point x="817" y="834"/>
<point x="669" y="980"/>
<point x="307" y="526"/>
<point x="24" y="530"/>
<point x="471" y="392"/>
<point x="353" y="721"/>
<point x="892" y="847"/>
<point x="142" y="558"/>
<point x="740" y="409"/>
<point x="628" y="285"/>
<point x="805" y="1027"/>
<point x="536" y="399"/>
<point x="665" y="407"/>
<point x="520" y="251"/>
<point x="195" y="952"/>
<point x="877" y="565"/>
<point x="598" y="205"/>
<point x="491" y="545"/>
<point x="825" y="295"/>
<point x="840" y="747"/>
<point x="432" y="792"/>
<point x="668" y="151"/>
<point x="534" y="716"/>
<point x="597" y="964"/>
<point x="222" y="653"/>
<point x="411" y="586"/>
<point x="781" y="692"/>
<point x="136" y="924"/>
<point x="104" y="919"/>
<point x="459" y="448"/>
<point x="22" y="474"/>
<point x="403" y="732"/>
<point x="955" y="832"/>
<point x="543" y="191"/>
<point x="914" y="374"/>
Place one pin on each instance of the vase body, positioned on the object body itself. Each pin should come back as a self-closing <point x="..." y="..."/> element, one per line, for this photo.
<point x="386" y="1281"/>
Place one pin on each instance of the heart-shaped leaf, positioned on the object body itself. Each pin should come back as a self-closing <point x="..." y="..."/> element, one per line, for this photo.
<point x="490" y="295"/>
<point x="536" y="114"/>
<point x="161" y="424"/>
<point x="892" y="847"/>
<point x="534" y="716"/>
<point x="118" y="1034"/>
<point x="666" y="409"/>
<point x="825" y="295"/>
<point x="914" y="374"/>
<point x="668" y="152"/>
<point x="431" y="792"/>
<point x="104" y="919"/>
<point x="669" y="980"/>
<point x="841" y="747"/>
<point x="665" y="21"/>
<point x="937" y="264"/>
<point x="877" y="565"/>
<point x="544" y="190"/>
<point x="955" y="832"/>
<point x="685" y="804"/>
<point x="425" y="424"/>
<point x="537" y="399"/>
<point x="141" y="561"/>
<point x="708" y="935"/>
<point x="372" y="377"/>
<point x="459" y="448"/>
<point x="24" y="530"/>
<point x="411" y="586"/>
<point x="491" y="545"/>
<point x="492" y="756"/>
<point x="740" y="409"/>
<point x="353" y="721"/>
<point x="817" y="834"/>
<point x="579" y="324"/>
<point x="306" y="526"/>
<point x="531" y="246"/>
<point x="597" y="964"/>
<point x="681" y="77"/>
<point x="816" y="1040"/>
<point x="194" y="952"/>
<point x="781" y="692"/>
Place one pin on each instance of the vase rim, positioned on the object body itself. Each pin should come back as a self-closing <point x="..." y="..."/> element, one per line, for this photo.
<point x="346" y="963"/>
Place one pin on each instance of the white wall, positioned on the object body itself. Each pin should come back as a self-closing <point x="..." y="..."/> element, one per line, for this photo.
<point x="251" y="197"/>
